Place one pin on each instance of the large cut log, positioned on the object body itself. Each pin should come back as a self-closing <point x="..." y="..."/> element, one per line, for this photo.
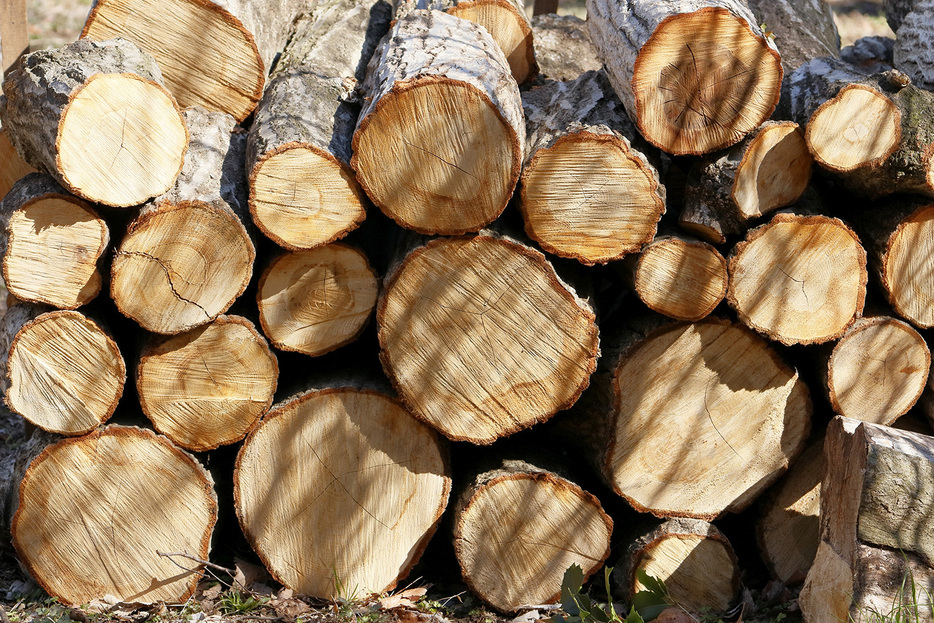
<point x="801" y="29"/>
<point x="187" y="256"/>
<point x="510" y="557"/>
<point x="679" y="277"/>
<point x="340" y="488"/>
<point x="481" y="338"/>
<point x="213" y="53"/>
<point x="563" y="48"/>
<point x="94" y="512"/>
<point x="315" y="301"/>
<point x="209" y="386"/>
<point x="62" y="371"/>
<point x="455" y="170"/>
<point x="693" y="419"/>
<point x="876" y="550"/>
<point x="798" y="279"/>
<point x="303" y="192"/>
<point x="767" y="170"/>
<point x="97" y="118"/>
<point x="15" y="168"/>
<point x="913" y="52"/>
<point x="694" y="75"/>
<point x="50" y="242"/>
<point x="588" y="190"/>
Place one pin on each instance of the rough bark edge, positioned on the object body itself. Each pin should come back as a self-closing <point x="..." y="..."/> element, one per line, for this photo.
<point x="525" y="26"/>
<point x="419" y="548"/>
<point x="538" y="258"/>
<point x="786" y="217"/>
<point x="125" y="431"/>
<point x="884" y="262"/>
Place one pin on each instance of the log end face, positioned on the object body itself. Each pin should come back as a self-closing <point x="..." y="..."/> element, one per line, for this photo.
<point x="905" y="268"/>
<point x="681" y="279"/>
<point x="774" y="172"/>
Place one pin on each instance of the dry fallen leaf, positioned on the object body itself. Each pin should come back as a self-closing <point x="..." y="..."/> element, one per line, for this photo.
<point x="406" y="598"/>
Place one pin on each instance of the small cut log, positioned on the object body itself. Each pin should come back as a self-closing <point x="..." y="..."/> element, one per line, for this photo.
<point x="874" y="54"/>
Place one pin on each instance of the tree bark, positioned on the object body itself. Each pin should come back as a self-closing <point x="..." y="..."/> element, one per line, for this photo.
<point x="50" y="242"/>
<point x="801" y="29"/>
<point x="303" y="192"/>
<point x="588" y="190"/>
<point x="63" y="373"/>
<point x="97" y="118"/>
<point x="170" y="283"/>
<point x="340" y="488"/>
<point x="914" y="51"/>
<point x="798" y="279"/>
<point x="209" y="386"/>
<point x="213" y="53"/>
<point x="455" y="170"/>
<point x="511" y="557"/>
<point x="482" y="339"/>
<point x="563" y="48"/>
<point x="15" y="168"/>
<point x="724" y="192"/>
<point x="873" y="54"/>
<point x="316" y="301"/>
<point x="896" y="10"/>
<point x="93" y="512"/>
<point x="694" y="75"/>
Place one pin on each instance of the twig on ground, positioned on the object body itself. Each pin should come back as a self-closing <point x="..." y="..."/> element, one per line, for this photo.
<point x="211" y="565"/>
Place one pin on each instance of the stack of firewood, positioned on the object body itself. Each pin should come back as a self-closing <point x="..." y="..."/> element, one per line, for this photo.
<point x="251" y="183"/>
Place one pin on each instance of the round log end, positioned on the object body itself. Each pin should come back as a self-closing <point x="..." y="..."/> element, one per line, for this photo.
<point x="511" y="31"/>
<point x="906" y="268"/>
<point x="680" y="278"/>
<point x="774" y="172"/>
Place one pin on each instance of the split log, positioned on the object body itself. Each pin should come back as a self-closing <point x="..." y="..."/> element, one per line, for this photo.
<point x="694" y="560"/>
<point x="588" y="190"/>
<point x="563" y="48"/>
<point x="481" y="338"/>
<point x="63" y="372"/>
<point x="455" y="170"/>
<point x="315" y="301"/>
<point x="93" y="512"/>
<point x="505" y="20"/>
<point x="509" y="556"/>
<point x="97" y="118"/>
<point x="873" y="54"/>
<point x="187" y="256"/>
<point x="694" y="75"/>
<point x="207" y="387"/>
<point x="876" y="504"/>
<point x="914" y="51"/>
<point x="768" y="170"/>
<point x="802" y="29"/>
<point x="798" y="279"/>
<point x="50" y="242"/>
<point x="213" y="53"/>
<point x="15" y="168"/>
<point x="303" y="192"/>
<point x="694" y="419"/>
<point x="678" y="277"/>
<point x="350" y="458"/>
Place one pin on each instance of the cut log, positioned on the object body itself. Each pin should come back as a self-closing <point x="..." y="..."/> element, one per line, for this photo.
<point x="455" y="170"/>
<point x="505" y="20"/>
<point x="340" y="488"/>
<point x="482" y="339"/>
<point x="97" y="118"/>
<point x="876" y="504"/>
<point x="213" y="53"/>
<point x="694" y="560"/>
<point x="63" y="372"/>
<point x="768" y="170"/>
<point x="509" y="556"/>
<point x="303" y="192"/>
<point x="315" y="301"/>
<point x="678" y="277"/>
<point x="588" y="191"/>
<point x="913" y="52"/>
<point x="187" y="256"/>
<point x="802" y="29"/>
<point x="563" y="48"/>
<point x="15" y="168"/>
<point x="873" y="54"/>
<point x="95" y="511"/>
<point x="50" y="242"/>
<point x="207" y="387"/>
<point x="896" y="10"/>
<point x="798" y="279"/>
<point x="694" y="75"/>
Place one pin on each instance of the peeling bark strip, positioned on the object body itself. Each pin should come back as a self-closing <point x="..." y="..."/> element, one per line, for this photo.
<point x="148" y="496"/>
<point x="509" y="556"/>
<point x="694" y="75"/>
<point x="187" y="256"/>
<point x="455" y="169"/>
<point x="63" y="372"/>
<point x="588" y="192"/>
<point x="482" y="339"/>
<point x="97" y="118"/>
<point x="37" y="216"/>
<point x="303" y="192"/>
<point x="801" y="29"/>
<point x="768" y="170"/>
<point x="328" y="458"/>
<point x="563" y="48"/>
<point x="213" y="53"/>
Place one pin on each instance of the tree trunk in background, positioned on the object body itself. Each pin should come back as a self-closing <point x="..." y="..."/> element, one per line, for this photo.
<point x="802" y="29"/>
<point x="563" y="48"/>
